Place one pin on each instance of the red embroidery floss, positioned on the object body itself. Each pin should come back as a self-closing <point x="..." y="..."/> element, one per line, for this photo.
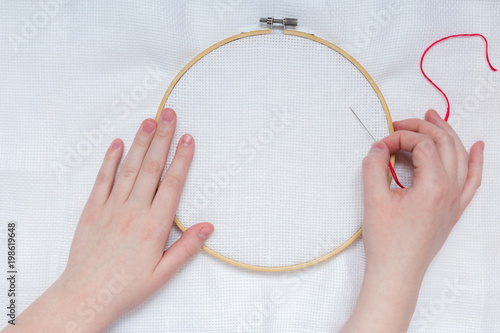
<point x="394" y="176"/>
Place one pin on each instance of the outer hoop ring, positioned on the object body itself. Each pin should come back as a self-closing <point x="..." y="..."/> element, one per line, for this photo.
<point x="331" y="46"/>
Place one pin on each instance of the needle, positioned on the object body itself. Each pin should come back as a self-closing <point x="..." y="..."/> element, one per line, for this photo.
<point x="394" y="176"/>
<point x="366" y="129"/>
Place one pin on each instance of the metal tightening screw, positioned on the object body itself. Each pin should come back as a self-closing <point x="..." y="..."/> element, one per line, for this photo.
<point x="285" y="21"/>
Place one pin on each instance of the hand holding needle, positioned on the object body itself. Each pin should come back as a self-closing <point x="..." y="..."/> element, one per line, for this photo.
<point x="374" y="140"/>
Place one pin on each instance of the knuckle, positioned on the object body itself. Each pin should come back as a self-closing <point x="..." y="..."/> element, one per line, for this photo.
<point x="109" y="158"/>
<point x="151" y="166"/>
<point x="441" y="190"/>
<point x="463" y="156"/>
<point x="427" y="141"/>
<point x="149" y="231"/>
<point x="171" y="181"/>
<point x="477" y="182"/>
<point x="183" y="155"/>
<point x="444" y="137"/>
<point x="369" y="161"/>
<point x="450" y="139"/>
<point x="141" y="142"/>
<point x="101" y="179"/>
<point x="128" y="171"/>
<point x="127" y="218"/>
<point x="425" y="148"/>
<point x="190" y="249"/>
<point x="87" y="219"/>
<point x="164" y="132"/>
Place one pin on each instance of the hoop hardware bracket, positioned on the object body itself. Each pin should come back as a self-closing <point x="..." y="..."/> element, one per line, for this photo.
<point x="284" y="21"/>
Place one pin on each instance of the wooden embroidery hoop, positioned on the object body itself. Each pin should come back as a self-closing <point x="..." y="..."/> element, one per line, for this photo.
<point x="363" y="71"/>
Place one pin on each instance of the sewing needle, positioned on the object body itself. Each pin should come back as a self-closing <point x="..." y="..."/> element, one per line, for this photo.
<point x="366" y="129"/>
<point x="394" y="176"/>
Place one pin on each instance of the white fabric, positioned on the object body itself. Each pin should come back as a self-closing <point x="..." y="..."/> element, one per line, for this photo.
<point x="75" y="75"/>
<point x="277" y="165"/>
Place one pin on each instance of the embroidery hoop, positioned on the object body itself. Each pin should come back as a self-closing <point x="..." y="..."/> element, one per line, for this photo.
<point x="324" y="42"/>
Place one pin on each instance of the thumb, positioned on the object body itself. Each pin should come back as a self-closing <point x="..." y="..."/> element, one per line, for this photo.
<point x="183" y="249"/>
<point x="375" y="171"/>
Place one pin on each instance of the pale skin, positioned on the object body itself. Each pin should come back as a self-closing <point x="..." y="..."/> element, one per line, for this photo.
<point x="118" y="258"/>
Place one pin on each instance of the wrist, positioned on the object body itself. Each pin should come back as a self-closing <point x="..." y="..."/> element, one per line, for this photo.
<point x="386" y="301"/>
<point x="59" y="309"/>
<point x="82" y="310"/>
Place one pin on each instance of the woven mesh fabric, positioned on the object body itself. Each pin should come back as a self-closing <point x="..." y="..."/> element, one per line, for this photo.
<point x="278" y="152"/>
<point x="90" y="71"/>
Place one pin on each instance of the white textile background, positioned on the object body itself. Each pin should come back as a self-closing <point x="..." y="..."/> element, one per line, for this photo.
<point x="75" y="75"/>
<point x="278" y="152"/>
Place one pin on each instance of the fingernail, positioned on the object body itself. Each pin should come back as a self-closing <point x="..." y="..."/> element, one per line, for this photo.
<point x="116" y="144"/>
<point x="205" y="232"/>
<point x="167" y="116"/>
<point x="377" y="146"/>
<point x="187" y="140"/>
<point x="148" y="127"/>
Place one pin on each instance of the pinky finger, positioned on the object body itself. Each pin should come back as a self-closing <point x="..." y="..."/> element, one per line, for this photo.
<point x="106" y="176"/>
<point x="474" y="175"/>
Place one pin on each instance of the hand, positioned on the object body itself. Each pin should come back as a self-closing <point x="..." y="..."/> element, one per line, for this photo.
<point x="117" y="257"/>
<point x="403" y="229"/>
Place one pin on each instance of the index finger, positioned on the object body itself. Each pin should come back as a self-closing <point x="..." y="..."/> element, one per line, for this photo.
<point x="426" y="160"/>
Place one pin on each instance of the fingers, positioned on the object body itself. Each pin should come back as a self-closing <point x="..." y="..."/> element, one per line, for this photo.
<point x="474" y="175"/>
<point x="462" y="155"/>
<point x="182" y="250"/>
<point x="428" y="168"/>
<point x="106" y="175"/>
<point x="133" y="161"/>
<point x="169" y="192"/>
<point x="154" y="162"/>
<point x="445" y="142"/>
<point x="375" y="172"/>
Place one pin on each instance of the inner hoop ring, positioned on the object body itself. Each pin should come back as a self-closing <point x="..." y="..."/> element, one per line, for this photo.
<point x="331" y="46"/>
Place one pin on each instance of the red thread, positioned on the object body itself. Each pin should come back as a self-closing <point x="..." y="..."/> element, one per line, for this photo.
<point x="446" y="97"/>
<point x="440" y="40"/>
<point x="394" y="176"/>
